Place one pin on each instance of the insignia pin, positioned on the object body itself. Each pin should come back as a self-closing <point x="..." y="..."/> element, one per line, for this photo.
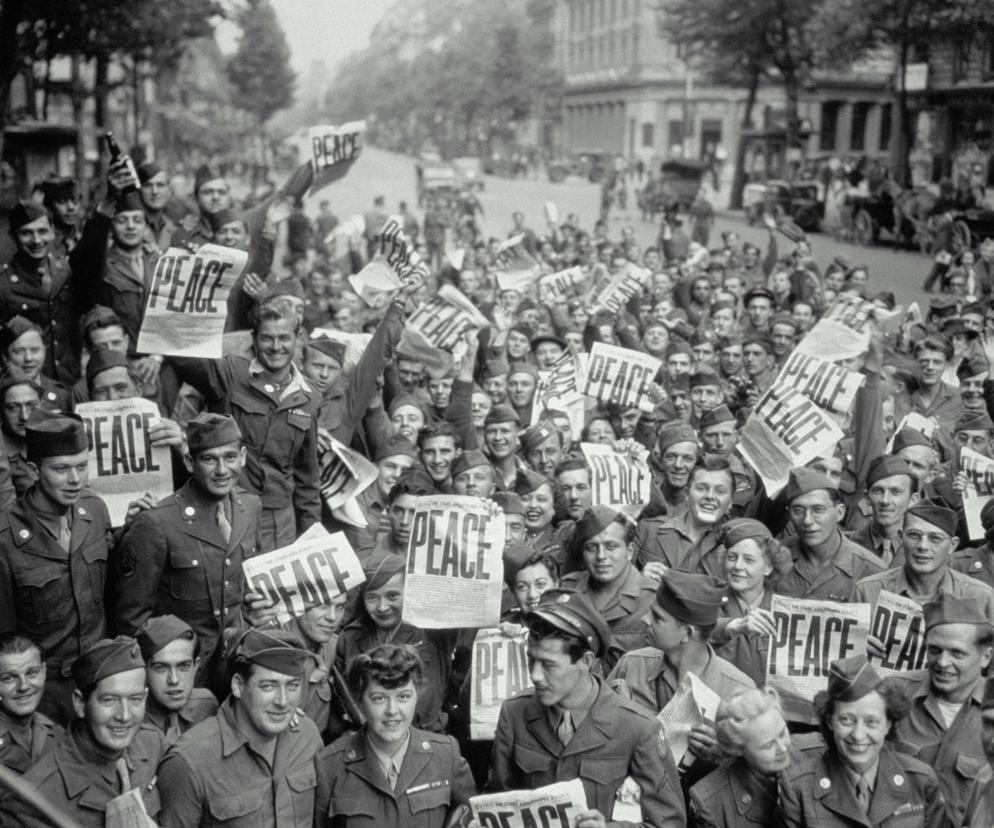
<point x="825" y="783"/>
<point x="898" y="779"/>
<point x="269" y="389"/>
<point x="188" y="511"/>
<point x="24" y="533"/>
<point x="425" y="746"/>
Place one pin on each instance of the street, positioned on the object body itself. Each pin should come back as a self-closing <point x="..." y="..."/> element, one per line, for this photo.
<point x="379" y="172"/>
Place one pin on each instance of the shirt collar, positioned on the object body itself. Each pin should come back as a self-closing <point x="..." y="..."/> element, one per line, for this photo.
<point x="870" y="775"/>
<point x="579" y="713"/>
<point x="388" y="760"/>
<point x="297" y="381"/>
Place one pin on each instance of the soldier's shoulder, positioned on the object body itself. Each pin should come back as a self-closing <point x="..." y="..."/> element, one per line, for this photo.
<point x="245" y="495"/>
<point x="202" y="704"/>
<point x="711" y="786"/>
<point x="201" y="743"/>
<point x="571" y="580"/>
<point x="880" y="578"/>
<point x="342" y="746"/>
<point x="519" y="701"/>
<point x="808" y="767"/>
<point x="914" y="767"/>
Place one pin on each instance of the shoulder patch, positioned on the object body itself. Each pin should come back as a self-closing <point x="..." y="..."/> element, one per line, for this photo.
<point x="129" y="561"/>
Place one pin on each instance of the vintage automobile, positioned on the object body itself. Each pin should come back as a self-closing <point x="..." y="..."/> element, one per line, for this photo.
<point x="436" y="179"/>
<point x="470" y="171"/>
<point x="801" y="200"/>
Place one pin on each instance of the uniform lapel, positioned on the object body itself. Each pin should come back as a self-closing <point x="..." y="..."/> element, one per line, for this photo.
<point x="82" y="520"/>
<point x="415" y="761"/>
<point x="596" y="729"/>
<point x="363" y="764"/>
<point x="891" y="790"/>
<point x="239" y="520"/>
<point x="539" y="727"/>
<point x="199" y="518"/>
<point x="835" y="792"/>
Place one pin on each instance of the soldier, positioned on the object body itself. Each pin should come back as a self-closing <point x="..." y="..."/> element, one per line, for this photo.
<point x="276" y="411"/>
<point x="25" y="734"/>
<point x="390" y="773"/>
<point x="171" y="653"/>
<point x="212" y="194"/>
<point x="393" y="457"/>
<point x="473" y="475"/>
<point x="500" y="437"/>
<point x="401" y="503"/>
<point x="156" y="192"/>
<point x="184" y="555"/>
<point x="61" y="199"/>
<point x="890" y="488"/>
<point x="19" y="396"/>
<point x="542" y="445"/>
<point x="859" y="780"/>
<point x="106" y="751"/>
<point x="671" y="460"/>
<point x="245" y="767"/>
<point x="53" y="555"/>
<point x="977" y="562"/>
<point x="573" y="477"/>
<point x="603" y="538"/>
<point x="571" y="725"/>
<point x="827" y="565"/>
<point x="23" y="346"/>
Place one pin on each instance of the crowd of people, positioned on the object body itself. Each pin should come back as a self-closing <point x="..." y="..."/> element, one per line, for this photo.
<point x="136" y="662"/>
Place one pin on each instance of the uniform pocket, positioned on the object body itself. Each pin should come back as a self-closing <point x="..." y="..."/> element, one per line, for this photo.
<point x="351" y="806"/>
<point x="240" y="806"/>
<point x="430" y="798"/>
<point x="535" y="766"/>
<point x="608" y="771"/>
<point x="94" y="552"/>
<point x="45" y="593"/>
<point x="187" y="578"/>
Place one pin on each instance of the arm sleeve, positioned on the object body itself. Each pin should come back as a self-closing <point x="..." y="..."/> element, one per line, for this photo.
<point x="137" y="568"/>
<point x="182" y="795"/>
<point x="87" y="261"/>
<point x="698" y="815"/>
<point x="306" y="477"/>
<point x="868" y="439"/>
<point x="7" y="494"/>
<point x="653" y="768"/>
<point x="791" y="811"/>
<point x="362" y="383"/>
<point x="502" y="776"/>
<point x="460" y="412"/>
<point x="772" y="254"/>
<point x="211" y="377"/>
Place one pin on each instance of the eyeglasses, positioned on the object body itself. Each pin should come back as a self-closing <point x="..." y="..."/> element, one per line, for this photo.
<point x="934" y="538"/>
<point x="800" y="512"/>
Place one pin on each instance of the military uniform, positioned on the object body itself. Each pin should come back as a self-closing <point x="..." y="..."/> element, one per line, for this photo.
<point x="21" y="475"/>
<point x="733" y="795"/>
<point x="173" y="560"/>
<point x="23" y="744"/>
<point x="888" y="550"/>
<point x="818" y="792"/>
<point x="280" y="432"/>
<point x="645" y="677"/>
<point x="201" y="706"/>
<point x="623" y="611"/>
<point x="54" y="597"/>
<point x="954" y="585"/>
<point x="616" y="739"/>
<point x="78" y="778"/>
<point x="213" y="776"/>
<point x="56" y="312"/>
<point x="748" y="651"/>
<point x="353" y="792"/>
<point x="667" y="540"/>
<point x="833" y="582"/>
<point x="956" y="753"/>
<point x="977" y="563"/>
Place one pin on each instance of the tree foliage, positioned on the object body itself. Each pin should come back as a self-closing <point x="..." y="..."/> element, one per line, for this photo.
<point x="459" y="73"/>
<point x="260" y="69"/>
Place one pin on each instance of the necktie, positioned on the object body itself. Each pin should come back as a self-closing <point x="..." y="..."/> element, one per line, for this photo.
<point x="172" y="727"/>
<point x="392" y="775"/>
<point x="46" y="281"/>
<point x="565" y="730"/>
<point x="123" y="775"/>
<point x="65" y="533"/>
<point x="222" y="522"/>
<point x="863" y="794"/>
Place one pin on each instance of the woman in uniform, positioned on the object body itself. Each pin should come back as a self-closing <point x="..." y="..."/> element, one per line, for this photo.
<point x="390" y="774"/>
<point x="859" y="780"/>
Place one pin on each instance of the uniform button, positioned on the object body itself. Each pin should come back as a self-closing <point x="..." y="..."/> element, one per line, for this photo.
<point x="977" y="565"/>
<point x="746" y="799"/>
<point x="225" y="610"/>
<point x="269" y="388"/>
<point x="25" y="534"/>
<point x="227" y="561"/>
<point x="194" y="562"/>
<point x="898" y="779"/>
<point x="14" y="279"/>
<point x="189" y="511"/>
<point x="825" y="783"/>
<point x="226" y="583"/>
<point x="82" y="511"/>
<point x="216" y="612"/>
<point x="24" y="307"/>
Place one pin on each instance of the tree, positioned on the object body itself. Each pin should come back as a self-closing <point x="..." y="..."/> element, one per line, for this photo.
<point x="260" y="69"/>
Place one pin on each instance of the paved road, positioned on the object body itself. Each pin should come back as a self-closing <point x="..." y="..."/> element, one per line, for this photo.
<point x="392" y="175"/>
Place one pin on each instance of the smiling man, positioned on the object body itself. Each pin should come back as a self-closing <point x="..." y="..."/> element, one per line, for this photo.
<point x="106" y="751"/>
<point x="670" y="462"/>
<point x="246" y="765"/>
<point x="891" y="487"/>
<point x="934" y="397"/>
<point x="25" y="734"/>
<point x="944" y="725"/>
<point x="276" y="410"/>
<point x="573" y="726"/>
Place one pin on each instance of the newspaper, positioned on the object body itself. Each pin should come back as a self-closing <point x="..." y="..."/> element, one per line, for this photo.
<point x="345" y="473"/>
<point x="554" y="806"/>
<point x="829" y="386"/>
<point x="515" y="266"/>
<point x="498" y="671"/>
<point x="334" y="150"/>
<point x="692" y="704"/>
<point x="616" y="479"/>
<point x="833" y="341"/>
<point x="917" y="422"/>
<point x="623" y="286"/>
<point x="445" y="317"/>
<point x="454" y="565"/>
<point x="127" y="811"/>
<point x="979" y="488"/>
<point x="123" y="463"/>
<point x="310" y="572"/>
<point x="900" y="625"/>
<point x="560" y="283"/>
<point x="375" y="281"/>
<point x="187" y="303"/>
<point x="620" y="376"/>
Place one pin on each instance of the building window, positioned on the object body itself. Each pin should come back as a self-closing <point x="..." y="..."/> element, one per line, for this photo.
<point x="988" y="63"/>
<point x="675" y="134"/>
<point x="886" y="114"/>
<point x="829" y="124"/>
<point x="961" y="60"/>
<point x="857" y="135"/>
<point x="623" y="47"/>
<point x="648" y="135"/>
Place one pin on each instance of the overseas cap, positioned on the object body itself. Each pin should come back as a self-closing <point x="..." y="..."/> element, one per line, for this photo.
<point x="49" y="434"/>
<point x="514" y="558"/>
<point x="950" y="610"/>
<point x="511" y="504"/>
<point x="939" y="516"/>
<point x="760" y="339"/>
<point x="852" y="678"/>
<point x="157" y="632"/>
<point x="973" y="365"/>
<point x="739" y="529"/>
<point x="804" y="480"/>
<point x="59" y="189"/>
<point x="501" y="414"/>
<point x="690" y="597"/>
<point x="11" y="375"/>
<point x="147" y="170"/>
<point x="103" y="359"/>
<point x="907" y="437"/>
<point x="495" y="368"/>
<point x="887" y="465"/>
<point x="129" y="202"/>
<point x="208" y="430"/>
<point x="15" y="328"/>
<point x="469" y="460"/>
<point x="533" y="437"/>
<point x="329" y="347"/>
<point x="381" y="567"/>
<point x="24" y="212"/>
<point x="523" y="368"/>
<point x="675" y="433"/>
<point x="107" y="657"/>
<point x="407" y="399"/>
<point x="572" y="612"/>
<point x="205" y="173"/>
<point x="277" y="650"/>
<point x="974" y="421"/>
<point x="593" y="521"/>
<point x="783" y="318"/>
<point x="705" y="376"/>
<point x="396" y="445"/>
<point x="527" y="481"/>
<point x="716" y="415"/>
<point x="99" y="316"/>
<point x="222" y="217"/>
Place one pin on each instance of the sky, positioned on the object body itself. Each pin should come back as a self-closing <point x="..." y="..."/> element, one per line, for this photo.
<point x="327" y="30"/>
